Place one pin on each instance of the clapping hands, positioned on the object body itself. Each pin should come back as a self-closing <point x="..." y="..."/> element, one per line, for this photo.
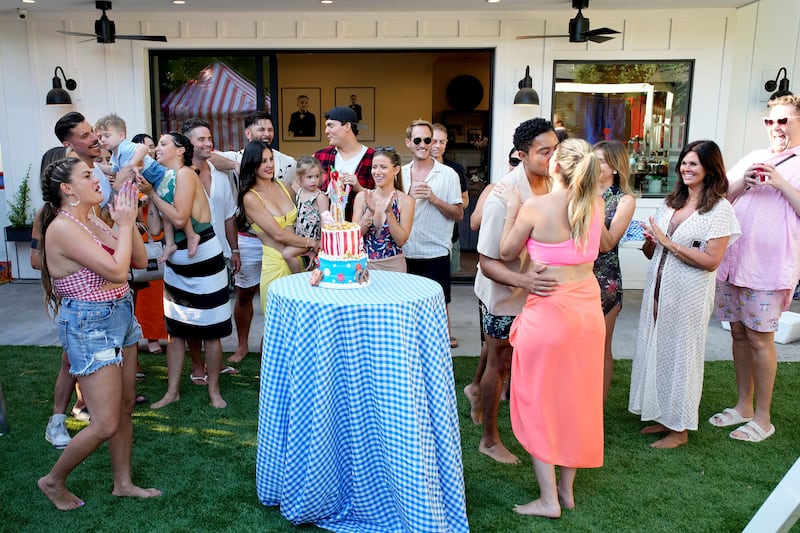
<point x="125" y="207"/>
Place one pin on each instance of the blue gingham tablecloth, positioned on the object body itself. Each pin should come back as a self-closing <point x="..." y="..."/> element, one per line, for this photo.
<point x="358" y="429"/>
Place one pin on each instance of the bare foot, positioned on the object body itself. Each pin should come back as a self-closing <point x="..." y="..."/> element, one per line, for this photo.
<point x="539" y="508"/>
<point x="499" y="453"/>
<point x="63" y="499"/>
<point x="191" y="244"/>
<point x="168" y="251"/>
<point x="473" y="394"/>
<point x="237" y="356"/>
<point x="217" y="401"/>
<point x="672" y="440"/>
<point x="566" y="499"/>
<point x="656" y="428"/>
<point x="166" y="400"/>
<point x="136" y="492"/>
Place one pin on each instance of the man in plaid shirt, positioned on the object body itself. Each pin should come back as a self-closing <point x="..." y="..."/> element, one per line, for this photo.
<point x="352" y="159"/>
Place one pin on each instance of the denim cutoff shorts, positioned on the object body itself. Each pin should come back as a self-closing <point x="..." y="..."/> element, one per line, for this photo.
<point x="94" y="333"/>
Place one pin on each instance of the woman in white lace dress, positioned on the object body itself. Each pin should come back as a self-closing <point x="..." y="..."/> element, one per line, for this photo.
<point x="685" y="240"/>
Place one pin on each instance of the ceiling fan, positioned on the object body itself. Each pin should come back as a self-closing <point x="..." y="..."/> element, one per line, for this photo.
<point x="579" y="31"/>
<point x="105" y="32"/>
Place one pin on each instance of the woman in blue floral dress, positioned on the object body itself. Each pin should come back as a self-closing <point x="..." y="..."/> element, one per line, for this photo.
<point x="385" y="214"/>
<point x="614" y="187"/>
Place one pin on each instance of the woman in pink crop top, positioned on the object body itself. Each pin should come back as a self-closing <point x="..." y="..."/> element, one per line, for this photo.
<point x="84" y="273"/>
<point x="557" y="367"/>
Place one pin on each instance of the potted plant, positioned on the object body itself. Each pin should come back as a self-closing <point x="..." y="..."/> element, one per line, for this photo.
<point x="20" y="212"/>
<point x="653" y="184"/>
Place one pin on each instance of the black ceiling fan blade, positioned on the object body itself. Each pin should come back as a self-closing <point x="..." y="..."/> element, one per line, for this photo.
<point x="158" y="38"/>
<point x="598" y="38"/>
<point x="76" y="33"/>
<point x="600" y="31"/>
<point x="539" y="36"/>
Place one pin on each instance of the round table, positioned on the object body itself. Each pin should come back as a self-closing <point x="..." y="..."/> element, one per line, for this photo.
<point x="357" y="423"/>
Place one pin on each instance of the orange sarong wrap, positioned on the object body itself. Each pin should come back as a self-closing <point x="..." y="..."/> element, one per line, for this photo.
<point x="557" y="376"/>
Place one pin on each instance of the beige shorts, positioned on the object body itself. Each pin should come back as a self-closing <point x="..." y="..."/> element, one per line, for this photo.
<point x="756" y="310"/>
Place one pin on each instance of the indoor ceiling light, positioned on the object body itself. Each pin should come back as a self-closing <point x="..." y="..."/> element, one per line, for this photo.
<point x="325" y="1"/>
<point x="57" y="95"/>
<point x="526" y="95"/>
<point x="179" y="2"/>
<point x="782" y="84"/>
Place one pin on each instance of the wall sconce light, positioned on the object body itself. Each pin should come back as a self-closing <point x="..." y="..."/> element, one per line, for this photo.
<point x="782" y="84"/>
<point x="57" y="95"/>
<point x="526" y="95"/>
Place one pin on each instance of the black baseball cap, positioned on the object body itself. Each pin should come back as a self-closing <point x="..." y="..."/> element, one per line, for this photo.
<point x="343" y="114"/>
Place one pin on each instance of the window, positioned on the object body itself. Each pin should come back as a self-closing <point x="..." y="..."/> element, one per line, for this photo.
<point x="221" y="87"/>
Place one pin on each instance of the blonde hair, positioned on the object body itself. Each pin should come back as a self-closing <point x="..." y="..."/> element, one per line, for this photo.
<point x="112" y="120"/>
<point x="305" y="165"/>
<point x="789" y="99"/>
<point x="580" y="169"/>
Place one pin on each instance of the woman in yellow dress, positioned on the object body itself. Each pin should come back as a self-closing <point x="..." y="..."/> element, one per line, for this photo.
<point x="267" y="209"/>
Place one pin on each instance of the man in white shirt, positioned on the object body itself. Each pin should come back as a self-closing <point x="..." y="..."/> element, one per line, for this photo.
<point x="258" y="126"/>
<point x="437" y="192"/>
<point x="502" y="287"/>
<point x="223" y="220"/>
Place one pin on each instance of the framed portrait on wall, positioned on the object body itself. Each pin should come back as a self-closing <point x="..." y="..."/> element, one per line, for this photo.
<point x="301" y="114"/>
<point x="362" y="101"/>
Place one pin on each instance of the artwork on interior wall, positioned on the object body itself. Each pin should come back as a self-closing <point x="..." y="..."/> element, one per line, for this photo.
<point x="362" y="101"/>
<point x="474" y="135"/>
<point x="301" y="113"/>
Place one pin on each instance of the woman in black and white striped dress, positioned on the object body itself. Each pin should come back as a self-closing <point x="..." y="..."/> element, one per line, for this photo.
<point x="196" y="297"/>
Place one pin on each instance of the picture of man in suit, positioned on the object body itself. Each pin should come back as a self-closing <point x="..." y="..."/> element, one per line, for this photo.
<point x="302" y="123"/>
<point x="355" y="106"/>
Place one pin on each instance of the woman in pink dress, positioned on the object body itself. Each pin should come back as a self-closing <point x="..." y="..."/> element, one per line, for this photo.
<point x="557" y="368"/>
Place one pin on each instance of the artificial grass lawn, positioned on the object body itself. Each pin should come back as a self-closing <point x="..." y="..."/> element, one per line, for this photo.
<point x="204" y="461"/>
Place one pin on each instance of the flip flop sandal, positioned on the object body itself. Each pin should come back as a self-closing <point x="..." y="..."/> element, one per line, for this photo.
<point x="199" y="380"/>
<point x="728" y="417"/>
<point x="753" y="432"/>
<point x="229" y="370"/>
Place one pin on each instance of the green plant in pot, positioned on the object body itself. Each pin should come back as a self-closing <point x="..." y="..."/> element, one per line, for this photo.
<point x="21" y="212"/>
<point x="654" y="184"/>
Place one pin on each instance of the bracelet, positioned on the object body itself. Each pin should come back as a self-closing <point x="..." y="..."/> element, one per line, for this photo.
<point x="234" y="250"/>
<point x="513" y="219"/>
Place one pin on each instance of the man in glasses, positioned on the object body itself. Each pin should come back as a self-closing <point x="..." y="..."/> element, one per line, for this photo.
<point x="352" y="159"/>
<point x="435" y="188"/>
<point x="501" y="287"/>
<point x="760" y="271"/>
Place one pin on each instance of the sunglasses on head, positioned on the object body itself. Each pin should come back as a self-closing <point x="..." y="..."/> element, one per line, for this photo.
<point x="417" y="140"/>
<point x="384" y="148"/>
<point x="514" y="161"/>
<point x="780" y="121"/>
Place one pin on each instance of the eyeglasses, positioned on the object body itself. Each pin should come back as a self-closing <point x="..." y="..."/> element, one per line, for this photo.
<point x="514" y="161"/>
<point x="417" y="140"/>
<point x="384" y="148"/>
<point x="780" y="121"/>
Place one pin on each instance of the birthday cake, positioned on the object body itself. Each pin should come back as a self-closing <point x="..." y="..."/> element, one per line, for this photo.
<point x="341" y="259"/>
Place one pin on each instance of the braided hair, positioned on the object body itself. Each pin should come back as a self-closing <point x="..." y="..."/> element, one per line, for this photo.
<point x="54" y="175"/>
